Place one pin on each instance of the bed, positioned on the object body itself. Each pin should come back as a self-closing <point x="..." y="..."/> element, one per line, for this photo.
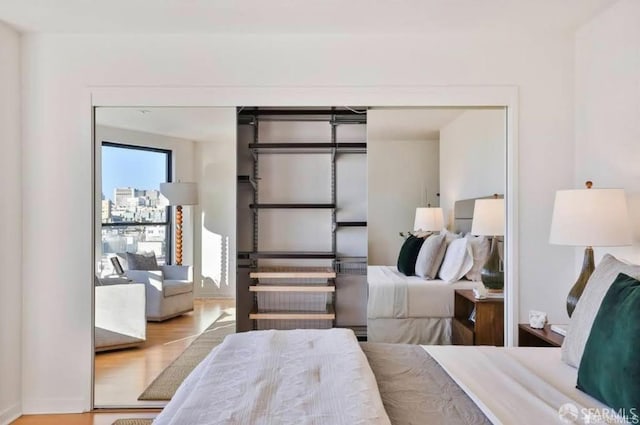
<point x="409" y="309"/>
<point x="412" y="310"/>
<point x="309" y="377"/>
<point x="326" y="377"/>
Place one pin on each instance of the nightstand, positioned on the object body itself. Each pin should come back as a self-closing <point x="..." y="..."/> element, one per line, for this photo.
<point x="488" y="326"/>
<point x="531" y="337"/>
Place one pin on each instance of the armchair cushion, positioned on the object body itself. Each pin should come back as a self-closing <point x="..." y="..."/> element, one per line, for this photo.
<point x="173" y="272"/>
<point x="146" y="261"/>
<point x="175" y="287"/>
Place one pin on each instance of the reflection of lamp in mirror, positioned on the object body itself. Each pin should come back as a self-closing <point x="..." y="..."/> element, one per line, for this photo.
<point x="428" y="219"/>
<point x="179" y="194"/>
<point x="488" y="220"/>
<point x="589" y="217"/>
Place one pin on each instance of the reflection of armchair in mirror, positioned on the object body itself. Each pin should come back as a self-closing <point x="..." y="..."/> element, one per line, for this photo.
<point x="169" y="291"/>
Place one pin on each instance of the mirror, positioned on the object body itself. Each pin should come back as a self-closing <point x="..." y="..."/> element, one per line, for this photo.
<point x="426" y="157"/>
<point x="144" y="319"/>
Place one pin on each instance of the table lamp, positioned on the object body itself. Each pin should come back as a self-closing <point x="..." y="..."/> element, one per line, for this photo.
<point x="488" y="220"/>
<point x="589" y="217"/>
<point x="428" y="219"/>
<point x="179" y="194"/>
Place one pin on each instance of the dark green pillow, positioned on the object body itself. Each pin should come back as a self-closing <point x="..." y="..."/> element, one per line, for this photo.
<point x="610" y="365"/>
<point x="409" y="254"/>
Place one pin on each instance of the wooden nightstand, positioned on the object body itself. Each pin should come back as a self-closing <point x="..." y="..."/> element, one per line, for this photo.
<point x="530" y="337"/>
<point x="488" y="327"/>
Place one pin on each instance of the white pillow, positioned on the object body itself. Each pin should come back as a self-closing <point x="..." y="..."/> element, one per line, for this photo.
<point x="480" y="248"/>
<point x="457" y="261"/>
<point x="589" y="304"/>
<point x="430" y="257"/>
<point x="450" y="236"/>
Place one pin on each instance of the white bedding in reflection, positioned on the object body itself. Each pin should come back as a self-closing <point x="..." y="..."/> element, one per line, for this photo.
<point x="394" y="295"/>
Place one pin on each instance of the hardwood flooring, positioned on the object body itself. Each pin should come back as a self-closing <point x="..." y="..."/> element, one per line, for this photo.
<point x="120" y="376"/>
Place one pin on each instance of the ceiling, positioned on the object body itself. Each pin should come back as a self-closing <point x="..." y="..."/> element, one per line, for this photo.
<point x="196" y="124"/>
<point x="241" y="17"/>
<point x="205" y="124"/>
<point x="412" y="124"/>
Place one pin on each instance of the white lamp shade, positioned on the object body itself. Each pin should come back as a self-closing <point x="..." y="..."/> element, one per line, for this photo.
<point x="488" y="217"/>
<point x="590" y="217"/>
<point x="428" y="219"/>
<point x="180" y="193"/>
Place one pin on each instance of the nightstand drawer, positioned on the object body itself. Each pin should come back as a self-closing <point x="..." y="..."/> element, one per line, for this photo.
<point x="487" y="326"/>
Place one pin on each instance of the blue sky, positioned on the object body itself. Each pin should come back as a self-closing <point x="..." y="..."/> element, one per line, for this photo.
<point x="122" y="167"/>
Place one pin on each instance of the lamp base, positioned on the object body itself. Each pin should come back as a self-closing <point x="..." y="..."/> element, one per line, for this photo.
<point x="492" y="273"/>
<point x="588" y="266"/>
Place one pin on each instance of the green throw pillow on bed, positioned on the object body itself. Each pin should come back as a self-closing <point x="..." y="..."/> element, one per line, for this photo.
<point x="409" y="254"/>
<point x="610" y="366"/>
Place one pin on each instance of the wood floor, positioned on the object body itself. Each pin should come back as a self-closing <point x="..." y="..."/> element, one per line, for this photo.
<point x="120" y="376"/>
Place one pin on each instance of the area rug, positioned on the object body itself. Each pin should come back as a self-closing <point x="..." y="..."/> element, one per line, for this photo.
<point x="137" y="421"/>
<point x="166" y="384"/>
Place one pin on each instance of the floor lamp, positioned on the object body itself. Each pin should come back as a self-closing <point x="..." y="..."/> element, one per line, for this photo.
<point x="179" y="194"/>
<point x="589" y="217"/>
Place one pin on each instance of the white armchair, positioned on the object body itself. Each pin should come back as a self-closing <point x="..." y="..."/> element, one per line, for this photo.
<point x="169" y="291"/>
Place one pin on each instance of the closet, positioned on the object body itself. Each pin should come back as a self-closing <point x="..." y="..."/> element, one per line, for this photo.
<point x="301" y="205"/>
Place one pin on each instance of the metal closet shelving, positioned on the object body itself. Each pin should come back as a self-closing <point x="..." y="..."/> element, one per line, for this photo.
<point x="292" y="276"/>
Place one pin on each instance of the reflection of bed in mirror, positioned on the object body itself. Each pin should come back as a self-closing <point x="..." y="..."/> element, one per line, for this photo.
<point x="410" y="309"/>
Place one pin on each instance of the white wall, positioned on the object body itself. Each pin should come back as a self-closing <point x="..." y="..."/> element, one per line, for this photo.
<point x="400" y="175"/>
<point x="10" y="227"/>
<point x="57" y="157"/>
<point x="183" y="169"/>
<point x="215" y="162"/>
<point x="607" y="117"/>
<point x="472" y="158"/>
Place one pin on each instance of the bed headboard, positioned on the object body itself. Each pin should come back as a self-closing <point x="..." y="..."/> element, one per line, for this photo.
<point x="463" y="213"/>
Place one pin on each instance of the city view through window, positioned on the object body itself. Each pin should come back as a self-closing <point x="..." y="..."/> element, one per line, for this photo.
<point x="135" y="216"/>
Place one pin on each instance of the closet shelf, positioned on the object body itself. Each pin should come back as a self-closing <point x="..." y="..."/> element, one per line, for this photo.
<point x="292" y="288"/>
<point x="329" y="314"/>
<point x="293" y="273"/>
<point x="351" y="224"/>
<point x="292" y="206"/>
<point x="296" y="147"/>
<point x="320" y="255"/>
<point x="247" y="179"/>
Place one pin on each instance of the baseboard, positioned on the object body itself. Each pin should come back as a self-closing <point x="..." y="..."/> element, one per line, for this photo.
<point x="10" y="414"/>
<point x="38" y="406"/>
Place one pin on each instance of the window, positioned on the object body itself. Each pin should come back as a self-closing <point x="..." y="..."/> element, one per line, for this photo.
<point x="135" y="217"/>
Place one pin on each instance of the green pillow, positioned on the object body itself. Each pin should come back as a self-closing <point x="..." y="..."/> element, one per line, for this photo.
<point x="409" y="254"/>
<point x="610" y="365"/>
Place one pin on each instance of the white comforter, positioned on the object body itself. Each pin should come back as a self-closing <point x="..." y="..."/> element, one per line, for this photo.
<point x="394" y="295"/>
<point x="280" y="377"/>
<point x="524" y="385"/>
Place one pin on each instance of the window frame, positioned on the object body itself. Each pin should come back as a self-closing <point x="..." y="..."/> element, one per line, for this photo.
<point x="169" y="178"/>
